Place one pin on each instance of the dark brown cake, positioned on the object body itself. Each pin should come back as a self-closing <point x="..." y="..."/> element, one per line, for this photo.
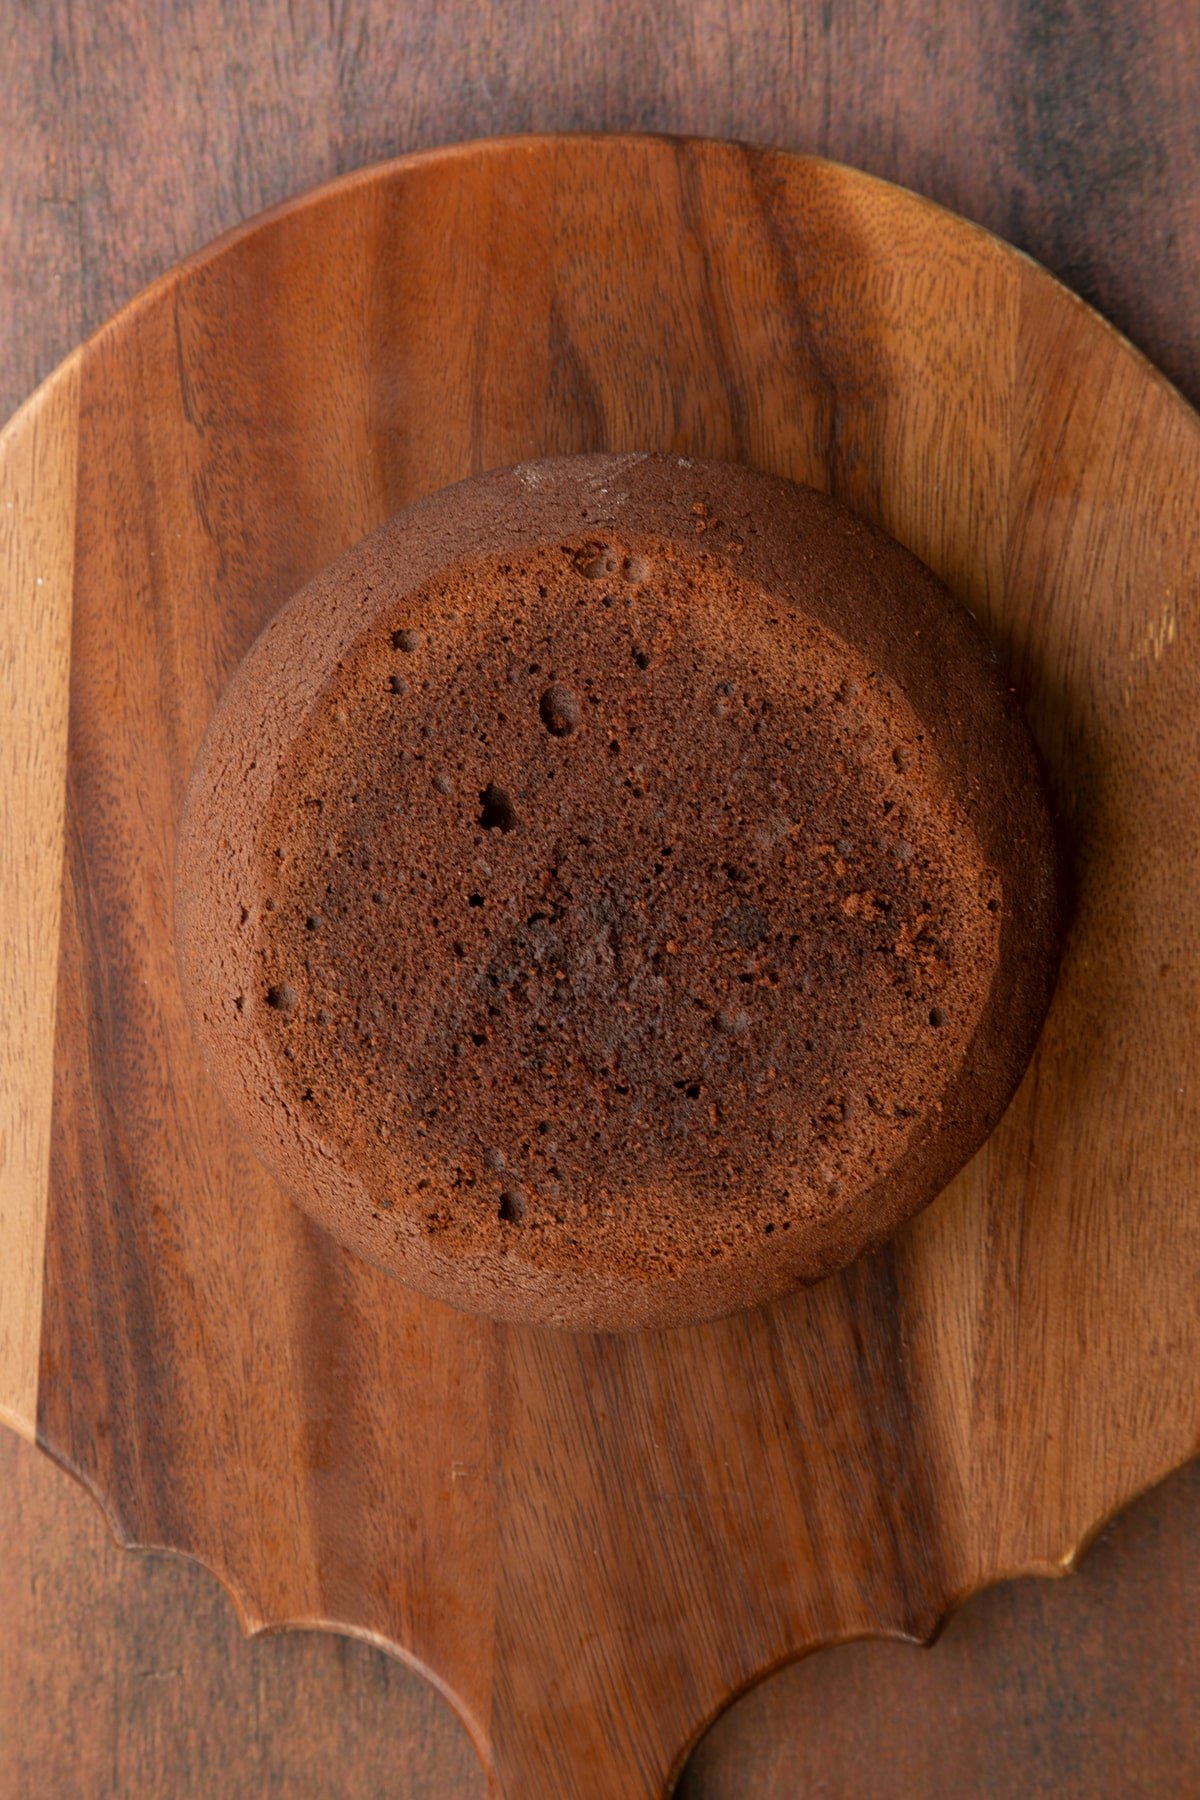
<point x="617" y="890"/>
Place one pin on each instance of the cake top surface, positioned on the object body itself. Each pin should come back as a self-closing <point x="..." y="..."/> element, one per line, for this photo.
<point x="610" y="928"/>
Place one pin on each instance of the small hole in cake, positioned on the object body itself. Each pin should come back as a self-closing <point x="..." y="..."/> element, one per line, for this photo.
<point x="313" y="922"/>
<point x="406" y="638"/>
<point x="768" y="1229"/>
<point x="936" y="1016"/>
<point x="474" y="899"/>
<point x="499" y="813"/>
<point x="642" y="658"/>
<point x="559" y="711"/>
<point x="397" y="684"/>
<point x="511" y="1209"/>
<point x="281" y="998"/>
<point x="993" y="906"/>
<point x="636" y="569"/>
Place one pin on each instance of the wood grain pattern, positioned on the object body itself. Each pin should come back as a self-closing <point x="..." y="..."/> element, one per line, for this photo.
<point x="129" y="140"/>
<point x="1027" y="1692"/>
<point x="126" y="1675"/>
<point x="968" y="1403"/>
<point x="37" y="546"/>
<point x="109" y="1684"/>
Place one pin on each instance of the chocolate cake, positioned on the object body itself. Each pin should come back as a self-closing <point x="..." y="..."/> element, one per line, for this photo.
<point x="617" y="890"/>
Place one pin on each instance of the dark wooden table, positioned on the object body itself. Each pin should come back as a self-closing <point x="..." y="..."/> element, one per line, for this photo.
<point x="131" y="136"/>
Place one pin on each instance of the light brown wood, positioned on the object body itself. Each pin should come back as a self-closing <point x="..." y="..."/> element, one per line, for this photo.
<point x="37" y="554"/>
<point x="113" y="1669"/>
<point x="592" y="1543"/>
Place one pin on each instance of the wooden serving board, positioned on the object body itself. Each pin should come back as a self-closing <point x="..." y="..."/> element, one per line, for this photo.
<point x="591" y="1543"/>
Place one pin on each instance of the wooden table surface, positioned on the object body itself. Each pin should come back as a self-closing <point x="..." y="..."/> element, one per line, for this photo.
<point x="130" y="137"/>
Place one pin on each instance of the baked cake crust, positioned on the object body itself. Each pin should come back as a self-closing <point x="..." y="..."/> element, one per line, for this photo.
<point x="617" y="890"/>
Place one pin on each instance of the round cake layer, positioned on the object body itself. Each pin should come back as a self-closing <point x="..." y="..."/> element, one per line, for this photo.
<point x="617" y="890"/>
